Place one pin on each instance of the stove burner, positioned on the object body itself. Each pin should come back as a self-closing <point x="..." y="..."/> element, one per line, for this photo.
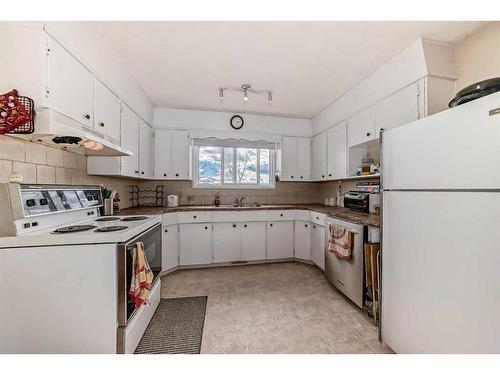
<point x="108" y="218"/>
<point x="134" y="218"/>
<point x="111" y="228"/>
<point x="74" y="228"/>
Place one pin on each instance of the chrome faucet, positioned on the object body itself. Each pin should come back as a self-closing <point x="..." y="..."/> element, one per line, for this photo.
<point x="238" y="202"/>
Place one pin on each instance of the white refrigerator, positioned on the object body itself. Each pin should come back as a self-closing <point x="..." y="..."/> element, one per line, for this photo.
<point x="441" y="232"/>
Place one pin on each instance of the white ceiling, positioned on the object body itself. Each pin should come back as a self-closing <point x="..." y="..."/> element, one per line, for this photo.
<point x="307" y="64"/>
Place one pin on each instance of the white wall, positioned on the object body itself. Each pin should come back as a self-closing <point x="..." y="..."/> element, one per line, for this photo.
<point x="219" y="121"/>
<point x="84" y="41"/>
<point x="421" y="58"/>
<point x="477" y="57"/>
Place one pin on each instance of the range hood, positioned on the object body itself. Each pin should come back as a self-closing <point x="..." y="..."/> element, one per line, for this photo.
<point x="56" y="130"/>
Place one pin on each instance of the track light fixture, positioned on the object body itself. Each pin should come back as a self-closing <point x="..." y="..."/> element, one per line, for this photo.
<point x="245" y="89"/>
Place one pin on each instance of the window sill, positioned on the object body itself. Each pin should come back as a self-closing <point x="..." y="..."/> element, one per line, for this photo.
<point x="235" y="187"/>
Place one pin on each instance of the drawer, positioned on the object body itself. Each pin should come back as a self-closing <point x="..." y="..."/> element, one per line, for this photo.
<point x="317" y="218"/>
<point x="280" y="215"/>
<point x="303" y="215"/>
<point x="194" y="217"/>
<point x="169" y="218"/>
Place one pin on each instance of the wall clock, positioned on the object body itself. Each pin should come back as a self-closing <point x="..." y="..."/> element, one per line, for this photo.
<point x="237" y="122"/>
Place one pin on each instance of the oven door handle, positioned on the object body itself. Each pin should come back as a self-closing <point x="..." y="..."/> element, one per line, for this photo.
<point x="137" y="238"/>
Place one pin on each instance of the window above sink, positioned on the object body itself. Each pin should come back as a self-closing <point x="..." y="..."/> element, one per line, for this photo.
<point x="233" y="164"/>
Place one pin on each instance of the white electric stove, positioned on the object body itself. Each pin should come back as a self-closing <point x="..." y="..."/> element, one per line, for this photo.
<point x="66" y="271"/>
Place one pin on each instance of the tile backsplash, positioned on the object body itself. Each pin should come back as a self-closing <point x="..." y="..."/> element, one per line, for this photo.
<point x="46" y="165"/>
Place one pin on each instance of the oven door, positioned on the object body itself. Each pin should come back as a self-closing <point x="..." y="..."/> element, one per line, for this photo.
<point x="151" y="239"/>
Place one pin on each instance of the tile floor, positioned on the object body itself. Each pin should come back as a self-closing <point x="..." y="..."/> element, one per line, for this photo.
<point x="274" y="308"/>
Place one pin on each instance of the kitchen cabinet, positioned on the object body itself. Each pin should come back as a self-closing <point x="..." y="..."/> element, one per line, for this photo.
<point x="195" y="244"/>
<point x="130" y="140"/>
<point x="163" y="154"/>
<point x="146" y="149"/>
<point x="304" y="159"/>
<point x="253" y="241"/>
<point x="398" y="109"/>
<point x="170" y="247"/>
<point x="337" y="151"/>
<point x="319" y="144"/>
<point x="181" y="155"/>
<point x="280" y="239"/>
<point x="126" y="166"/>
<point x="302" y="242"/>
<point x="318" y="245"/>
<point x="361" y="127"/>
<point x="296" y="159"/>
<point x="70" y="86"/>
<point x="172" y="155"/>
<point x="107" y="112"/>
<point x="289" y="159"/>
<point x="227" y="246"/>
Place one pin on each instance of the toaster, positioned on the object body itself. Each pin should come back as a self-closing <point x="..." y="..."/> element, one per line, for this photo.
<point x="357" y="201"/>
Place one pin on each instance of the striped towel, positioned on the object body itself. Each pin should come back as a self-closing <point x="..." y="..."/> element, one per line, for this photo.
<point x="340" y="242"/>
<point x="142" y="276"/>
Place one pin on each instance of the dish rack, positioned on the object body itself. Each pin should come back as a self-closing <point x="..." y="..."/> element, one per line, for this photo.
<point x="147" y="197"/>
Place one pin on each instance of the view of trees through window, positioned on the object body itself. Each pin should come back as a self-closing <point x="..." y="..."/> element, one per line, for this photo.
<point x="234" y="165"/>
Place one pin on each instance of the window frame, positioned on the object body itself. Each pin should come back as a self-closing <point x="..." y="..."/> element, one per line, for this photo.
<point x="234" y="185"/>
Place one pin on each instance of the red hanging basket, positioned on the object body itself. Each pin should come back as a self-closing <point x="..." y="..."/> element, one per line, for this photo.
<point x="17" y="114"/>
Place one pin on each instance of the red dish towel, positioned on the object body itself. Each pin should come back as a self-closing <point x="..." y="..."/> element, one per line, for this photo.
<point x="142" y="276"/>
<point x="340" y="242"/>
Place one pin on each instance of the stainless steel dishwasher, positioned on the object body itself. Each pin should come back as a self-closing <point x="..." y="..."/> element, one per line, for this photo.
<point x="346" y="275"/>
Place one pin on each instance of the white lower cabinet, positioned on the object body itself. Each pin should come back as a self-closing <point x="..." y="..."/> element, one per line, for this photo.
<point x="227" y="242"/>
<point x="253" y="241"/>
<point x="280" y="239"/>
<point x="318" y="245"/>
<point x="195" y="244"/>
<point x="303" y="240"/>
<point x="170" y="247"/>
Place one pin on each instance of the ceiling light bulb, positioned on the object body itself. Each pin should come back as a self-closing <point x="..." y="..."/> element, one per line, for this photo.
<point x="269" y="96"/>
<point x="98" y="146"/>
<point x="245" y="97"/>
<point x="89" y="144"/>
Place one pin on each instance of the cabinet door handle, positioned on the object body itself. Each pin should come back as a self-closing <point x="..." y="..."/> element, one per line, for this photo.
<point x="281" y="215"/>
<point x="177" y="175"/>
<point x="301" y="177"/>
<point x="194" y="217"/>
<point x="166" y="230"/>
<point x="305" y="225"/>
<point x="101" y="124"/>
<point x="291" y="176"/>
<point x="206" y="228"/>
<point x="323" y="175"/>
<point x="245" y="225"/>
<point x="164" y="175"/>
<point x="137" y="172"/>
<point x="87" y="116"/>
<point x="234" y="225"/>
<point x="329" y="175"/>
<point x="142" y="172"/>
<point x="270" y="225"/>
<point x="368" y="134"/>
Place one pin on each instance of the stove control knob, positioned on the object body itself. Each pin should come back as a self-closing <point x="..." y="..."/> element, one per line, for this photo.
<point x="30" y="202"/>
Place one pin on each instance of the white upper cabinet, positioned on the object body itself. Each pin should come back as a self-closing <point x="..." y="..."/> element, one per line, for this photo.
<point x="289" y="159"/>
<point x="319" y="157"/>
<point x="361" y="127"/>
<point x="172" y="154"/>
<point x="304" y="159"/>
<point x="130" y="141"/>
<point x="146" y="152"/>
<point x="70" y="86"/>
<point x="398" y="109"/>
<point x="337" y="151"/>
<point x="107" y="109"/>
<point x="296" y="159"/>
<point x="163" y="154"/>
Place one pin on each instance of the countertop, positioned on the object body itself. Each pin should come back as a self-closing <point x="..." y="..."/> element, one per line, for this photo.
<point x="338" y="212"/>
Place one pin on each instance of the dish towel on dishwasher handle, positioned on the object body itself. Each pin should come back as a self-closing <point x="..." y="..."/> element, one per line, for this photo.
<point x="142" y="276"/>
<point x="341" y="241"/>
